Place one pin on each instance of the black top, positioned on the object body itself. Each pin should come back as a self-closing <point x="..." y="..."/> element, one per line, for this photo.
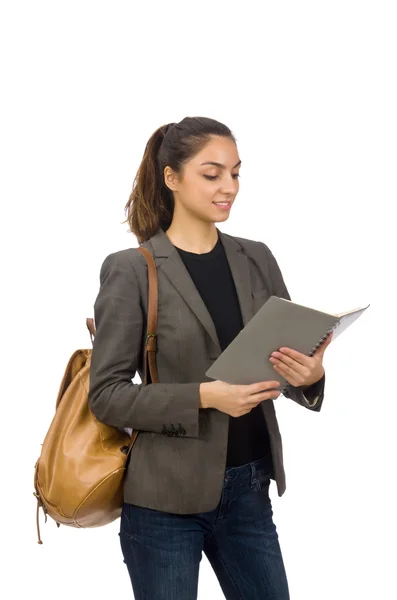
<point x="210" y="272"/>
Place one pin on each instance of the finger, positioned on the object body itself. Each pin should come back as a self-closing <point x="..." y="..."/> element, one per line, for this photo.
<point x="300" y="374"/>
<point x="255" y="399"/>
<point x="291" y="379"/>
<point x="278" y="357"/>
<point x="255" y="388"/>
<point x="292" y="367"/>
<point x="303" y="359"/>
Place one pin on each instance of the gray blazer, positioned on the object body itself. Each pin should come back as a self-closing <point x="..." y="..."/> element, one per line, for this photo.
<point x="178" y="461"/>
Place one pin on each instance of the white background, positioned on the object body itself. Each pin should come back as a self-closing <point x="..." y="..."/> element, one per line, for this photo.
<point x="309" y="89"/>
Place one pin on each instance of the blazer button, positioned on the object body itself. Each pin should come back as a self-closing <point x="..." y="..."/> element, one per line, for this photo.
<point x="181" y="430"/>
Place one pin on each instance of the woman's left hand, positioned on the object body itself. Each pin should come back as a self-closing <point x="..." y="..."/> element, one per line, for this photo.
<point x="299" y="369"/>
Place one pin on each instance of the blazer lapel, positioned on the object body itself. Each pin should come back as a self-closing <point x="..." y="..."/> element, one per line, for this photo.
<point x="238" y="263"/>
<point x="168" y="260"/>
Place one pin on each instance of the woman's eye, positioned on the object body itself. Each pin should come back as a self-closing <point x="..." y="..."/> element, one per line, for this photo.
<point x="213" y="177"/>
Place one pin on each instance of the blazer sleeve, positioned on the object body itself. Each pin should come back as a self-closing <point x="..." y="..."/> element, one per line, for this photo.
<point x="116" y="354"/>
<point x="313" y="396"/>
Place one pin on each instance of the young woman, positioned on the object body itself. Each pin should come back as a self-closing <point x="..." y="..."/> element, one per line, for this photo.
<point x="199" y="473"/>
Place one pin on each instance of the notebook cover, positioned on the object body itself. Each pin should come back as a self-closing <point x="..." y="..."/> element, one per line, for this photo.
<point x="278" y="323"/>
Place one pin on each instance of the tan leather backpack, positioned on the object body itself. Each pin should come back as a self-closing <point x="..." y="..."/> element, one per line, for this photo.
<point x="78" y="477"/>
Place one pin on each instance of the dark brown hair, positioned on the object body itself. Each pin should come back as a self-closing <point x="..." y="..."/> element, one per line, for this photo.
<point x="151" y="203"/>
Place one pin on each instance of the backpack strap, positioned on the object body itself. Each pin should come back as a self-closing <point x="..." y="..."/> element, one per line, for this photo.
<point x="149" y="359"/>
<point x="91" y="328"/>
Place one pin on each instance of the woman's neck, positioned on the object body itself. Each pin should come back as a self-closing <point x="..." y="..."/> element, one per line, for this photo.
<point x="197" y="237"/>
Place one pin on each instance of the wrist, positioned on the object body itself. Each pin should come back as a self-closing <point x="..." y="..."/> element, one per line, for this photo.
<point x="318" y="379"/>
<point x="204" y="396"/>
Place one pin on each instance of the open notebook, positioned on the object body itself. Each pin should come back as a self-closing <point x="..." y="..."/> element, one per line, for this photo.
<point x="278" y="323"/>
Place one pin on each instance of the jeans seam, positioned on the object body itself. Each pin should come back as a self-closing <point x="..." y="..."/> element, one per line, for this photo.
<point x="130" y="542"/>
<point x="214" y="528"/>
<point x="236" y="587"/>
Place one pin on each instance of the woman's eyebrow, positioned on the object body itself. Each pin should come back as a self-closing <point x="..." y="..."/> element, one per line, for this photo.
<point x="216" y="164"/>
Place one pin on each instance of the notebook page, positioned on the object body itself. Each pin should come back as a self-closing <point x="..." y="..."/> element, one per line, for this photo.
<point x="346" y="320"/>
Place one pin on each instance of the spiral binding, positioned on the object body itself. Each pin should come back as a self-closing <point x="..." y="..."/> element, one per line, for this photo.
<point x="312" y="351"/>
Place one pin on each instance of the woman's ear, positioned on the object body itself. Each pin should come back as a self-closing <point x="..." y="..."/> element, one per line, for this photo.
<point x="170" y="179"/>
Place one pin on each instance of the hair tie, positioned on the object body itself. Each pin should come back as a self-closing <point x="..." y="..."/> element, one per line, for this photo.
<point x="167" y="128"/>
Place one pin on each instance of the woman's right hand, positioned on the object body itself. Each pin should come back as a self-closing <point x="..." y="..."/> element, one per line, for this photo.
<point x="236" y="400"/>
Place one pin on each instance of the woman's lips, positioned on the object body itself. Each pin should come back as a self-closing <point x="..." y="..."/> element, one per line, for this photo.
<point x="223" y="205"/>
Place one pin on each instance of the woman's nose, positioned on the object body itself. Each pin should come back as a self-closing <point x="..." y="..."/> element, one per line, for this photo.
<point x="229" y="185"/>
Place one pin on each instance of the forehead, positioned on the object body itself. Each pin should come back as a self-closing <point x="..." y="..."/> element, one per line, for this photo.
<point x="219" y="149"/>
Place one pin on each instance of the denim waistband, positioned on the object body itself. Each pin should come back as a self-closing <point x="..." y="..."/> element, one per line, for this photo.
<point x="247" y="472"/>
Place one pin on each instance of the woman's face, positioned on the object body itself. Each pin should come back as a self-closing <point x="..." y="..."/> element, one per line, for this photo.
<point x="208" y="184"/>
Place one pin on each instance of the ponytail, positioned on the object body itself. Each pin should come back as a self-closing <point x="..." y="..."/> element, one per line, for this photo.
<point x="151" y="204"/>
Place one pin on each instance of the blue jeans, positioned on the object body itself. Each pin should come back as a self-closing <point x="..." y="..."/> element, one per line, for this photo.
<point x="162" y="551"/>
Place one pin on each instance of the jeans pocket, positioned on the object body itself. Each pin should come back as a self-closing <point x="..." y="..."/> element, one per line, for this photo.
<point x="261" y="478"/>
